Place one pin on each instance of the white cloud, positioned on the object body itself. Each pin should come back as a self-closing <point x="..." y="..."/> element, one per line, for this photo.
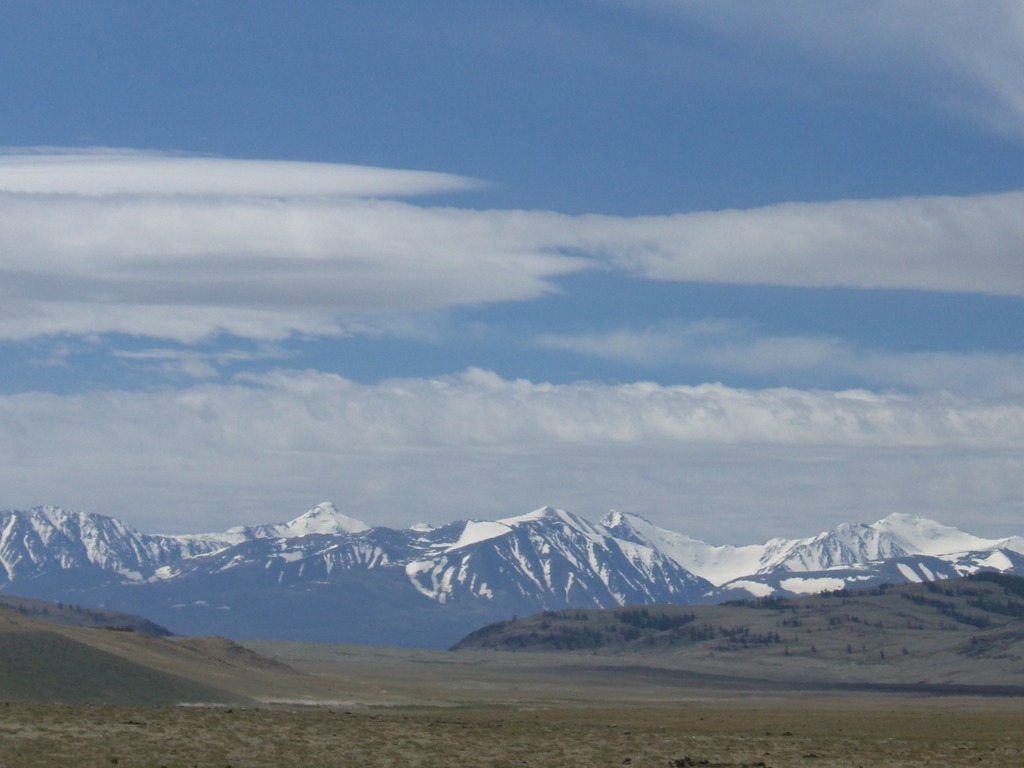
<point x="725" y="463"/>
<point x="187" y="266"/>
<point x="958" y="244"/>
<point x="737" y="348"/>
<point x="966" y="58"/>
<point x="76" y="258"/>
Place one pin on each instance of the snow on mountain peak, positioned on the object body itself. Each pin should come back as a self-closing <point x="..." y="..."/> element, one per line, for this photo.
<point x="927" y="537"/>
<point x="544" y="513"/>
<point x="717" y="564"/>
<point x="479" y="530"/>
<point x="537" y="514"/>
<point x="613" y="518"/>
<point x="553" y="515"/>
<point x="324" y="519"/>
<point x="624" y="520"/>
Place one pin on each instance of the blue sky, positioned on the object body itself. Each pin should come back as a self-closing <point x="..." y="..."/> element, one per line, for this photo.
<point x="746" y="269"/>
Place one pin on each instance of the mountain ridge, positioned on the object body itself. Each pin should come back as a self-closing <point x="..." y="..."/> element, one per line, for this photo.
<point x="327" y="576"/>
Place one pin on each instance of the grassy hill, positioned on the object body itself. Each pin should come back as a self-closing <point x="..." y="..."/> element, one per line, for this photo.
<point x="59" y="662"/>
<point x="44" y="666"/>
<point x="965" y="631"/>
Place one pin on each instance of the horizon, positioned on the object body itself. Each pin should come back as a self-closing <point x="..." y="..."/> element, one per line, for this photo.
<point x="743" y="271"/>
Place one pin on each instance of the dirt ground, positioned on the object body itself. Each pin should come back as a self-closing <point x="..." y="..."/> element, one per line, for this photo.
<point x="875" y="733"/>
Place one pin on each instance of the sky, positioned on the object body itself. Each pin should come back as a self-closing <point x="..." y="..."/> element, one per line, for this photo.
<point x="745" y="269"/>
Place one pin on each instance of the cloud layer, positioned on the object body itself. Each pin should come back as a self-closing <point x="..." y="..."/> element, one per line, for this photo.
<point x="965" y="244"/>
<point x="183" y="248"/>
<point x="725" y="463"/>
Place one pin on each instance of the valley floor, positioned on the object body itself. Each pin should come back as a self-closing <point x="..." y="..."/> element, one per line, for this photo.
<point x="867" y="731"/>
<point x="953" y="700"/>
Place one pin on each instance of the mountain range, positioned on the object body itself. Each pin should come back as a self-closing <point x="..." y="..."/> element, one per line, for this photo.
<point x="328" y="577"/>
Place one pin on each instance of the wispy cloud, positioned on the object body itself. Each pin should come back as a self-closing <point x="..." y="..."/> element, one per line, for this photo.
<point x="476" y="444"/>
<point x="964" y="58"/>
<point x="195" y="364"/>
<point x="108" y="247"/>
<point x="735" y="347"/>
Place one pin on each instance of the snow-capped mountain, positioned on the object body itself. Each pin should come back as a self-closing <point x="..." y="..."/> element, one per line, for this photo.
<point x="45" y="540"/>
<point x="327" y="576"/>
<point x="552" y="555"/>
<point x="897" y="548"/>
<point x="323" y="518"/>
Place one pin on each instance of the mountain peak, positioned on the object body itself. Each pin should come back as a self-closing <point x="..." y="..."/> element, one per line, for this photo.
<point x="929" y="537"/>
<point x="615" y="518"/>
<point x="324" y="518"/>
<point x="550" y="516"/>
<point x="543" y="513"/>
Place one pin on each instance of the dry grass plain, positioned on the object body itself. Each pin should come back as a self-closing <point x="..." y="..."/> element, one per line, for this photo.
<point x="867" y="732"/>
<point x="361" y="706"/>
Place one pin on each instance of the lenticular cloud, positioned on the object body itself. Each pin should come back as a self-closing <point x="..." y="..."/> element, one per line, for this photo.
<point x="184" y="247"/>
<point x="127" y="172"/>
